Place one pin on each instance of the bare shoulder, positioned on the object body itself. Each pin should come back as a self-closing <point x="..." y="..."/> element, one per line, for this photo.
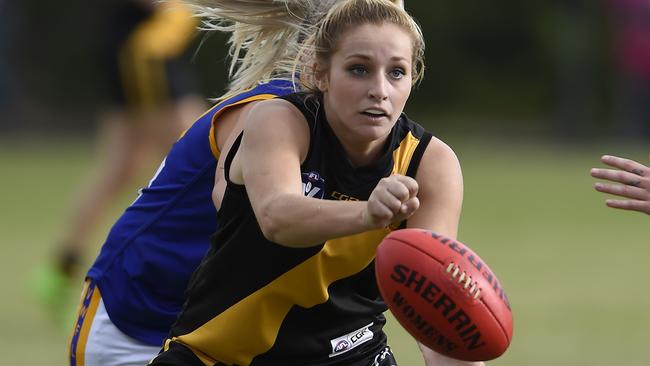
<point x="440" y="190"/>
<point x="439" y="159"/>
<point x="274" y="125"/>
<point x="277" y="111"/>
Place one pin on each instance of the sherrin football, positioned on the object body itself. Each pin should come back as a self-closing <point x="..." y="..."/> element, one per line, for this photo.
<point x="444" y="295"/>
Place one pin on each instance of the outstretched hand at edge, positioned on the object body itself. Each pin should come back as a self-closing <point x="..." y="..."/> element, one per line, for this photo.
<point x="632" y="183"/>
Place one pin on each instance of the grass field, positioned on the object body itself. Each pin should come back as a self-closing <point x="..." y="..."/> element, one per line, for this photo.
<point x="574" y="270"/>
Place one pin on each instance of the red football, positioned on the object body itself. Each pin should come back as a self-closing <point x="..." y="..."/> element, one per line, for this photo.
<point x="444" y="295"/>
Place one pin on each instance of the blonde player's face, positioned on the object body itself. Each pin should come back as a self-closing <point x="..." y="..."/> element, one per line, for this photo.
<point x="367" y="81"/>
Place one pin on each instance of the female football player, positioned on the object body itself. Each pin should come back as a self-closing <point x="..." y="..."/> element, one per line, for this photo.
<point x="310" y="188"/>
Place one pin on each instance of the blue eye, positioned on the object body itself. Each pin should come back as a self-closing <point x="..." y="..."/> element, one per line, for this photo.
<point x="358" y="70"/>
<point x="397" y="73"/>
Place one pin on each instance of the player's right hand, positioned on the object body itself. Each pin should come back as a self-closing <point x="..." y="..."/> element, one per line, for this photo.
<point x="393" y="200"/>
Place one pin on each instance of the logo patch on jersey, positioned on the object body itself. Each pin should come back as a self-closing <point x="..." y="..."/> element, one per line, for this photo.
<point x="313" y="185"/>
<point x="351" y="340"/>
<point x="342" y="196"/>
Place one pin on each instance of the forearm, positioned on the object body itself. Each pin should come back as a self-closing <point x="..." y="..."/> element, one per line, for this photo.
<point x="298" y="221"/>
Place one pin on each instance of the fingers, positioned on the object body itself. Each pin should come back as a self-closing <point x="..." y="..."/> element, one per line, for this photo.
<point x="638" y="198"/>
<point x="634" y="179"/>
<point x="394" y="198"/>
<point x="627" y="165"/>
<point x="378" y="213"/>
<point x="630" y="205"/>
<point x="623" y="190"/>
<point x="619" y="176"/>
<point x="408" y="208"/>
<point x="407" y="186"/>
<point x="630" y="172"/>
<point x="396" y="190"/>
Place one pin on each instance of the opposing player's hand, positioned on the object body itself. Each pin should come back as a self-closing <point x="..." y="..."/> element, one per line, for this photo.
<point x="633" y="180"/>
<point x="393" y="200"/>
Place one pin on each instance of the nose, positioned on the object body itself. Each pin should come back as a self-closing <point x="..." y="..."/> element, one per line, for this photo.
<point x="378" y="88"/>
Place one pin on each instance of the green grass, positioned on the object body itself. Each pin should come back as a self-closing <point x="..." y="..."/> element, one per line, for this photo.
<point x="39" y="184"/>
<point x="573" y="269"/>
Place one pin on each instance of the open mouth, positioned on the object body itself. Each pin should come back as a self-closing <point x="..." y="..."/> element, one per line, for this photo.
<point x="374" y="113"/>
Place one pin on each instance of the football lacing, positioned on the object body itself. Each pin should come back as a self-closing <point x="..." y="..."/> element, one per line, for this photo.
<point x="454" y="271"/>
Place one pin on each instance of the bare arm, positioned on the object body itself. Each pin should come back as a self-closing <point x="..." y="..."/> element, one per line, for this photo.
<point x="441" y="196"/>
<point x="275" y="142"/>
<point x="441" y="190"/>
<point x="634" y="187"/>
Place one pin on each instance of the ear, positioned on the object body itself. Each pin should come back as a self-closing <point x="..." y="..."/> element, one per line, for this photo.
<point x="320" y="77"/>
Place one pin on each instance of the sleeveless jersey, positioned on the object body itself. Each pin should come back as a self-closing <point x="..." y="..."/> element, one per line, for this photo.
<point x="255" y="302"/>
<point x="146" y="262"/>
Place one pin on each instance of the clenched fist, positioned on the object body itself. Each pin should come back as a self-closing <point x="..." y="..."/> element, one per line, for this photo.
<point x="394" y="199"/>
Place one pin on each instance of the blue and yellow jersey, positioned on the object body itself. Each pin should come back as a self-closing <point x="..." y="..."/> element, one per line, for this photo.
<point x="150" y="253"/>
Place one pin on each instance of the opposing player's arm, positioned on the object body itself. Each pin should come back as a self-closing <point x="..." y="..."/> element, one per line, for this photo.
<point x="275" y="142"/>
<point x="440" y="193"/>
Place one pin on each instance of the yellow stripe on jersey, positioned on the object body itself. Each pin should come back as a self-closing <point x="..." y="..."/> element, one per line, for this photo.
<point x="140" y="77"/>
<point x="250" y="327"/>
<point x="89" y="314"/>
<point x="166" y="33"/>
<point x="213" y="136"/>
<point x="143" y="56"/>
<point x="403" y="154"/>
<point x="75" y="327"/>
<point x="143" y="78"/>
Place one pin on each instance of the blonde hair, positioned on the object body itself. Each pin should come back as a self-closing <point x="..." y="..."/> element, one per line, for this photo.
<point x="348" y="14"/>
<point x="265" y="35"/>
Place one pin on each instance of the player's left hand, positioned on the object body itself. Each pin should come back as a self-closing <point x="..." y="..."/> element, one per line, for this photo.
<point x="634" y="183"/>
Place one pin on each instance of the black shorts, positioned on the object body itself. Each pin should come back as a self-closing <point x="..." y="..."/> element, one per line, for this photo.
<point x="134" y="79"/>
<point x="179" y="355"/>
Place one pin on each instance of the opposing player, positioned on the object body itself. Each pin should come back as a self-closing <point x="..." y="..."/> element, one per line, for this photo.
<point x="634" y="187"/>
<point x="311" y="187"/>
<point x="152" y="99"/>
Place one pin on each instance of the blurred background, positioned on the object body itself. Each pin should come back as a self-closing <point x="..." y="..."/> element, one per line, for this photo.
<point x="529" y="94"/>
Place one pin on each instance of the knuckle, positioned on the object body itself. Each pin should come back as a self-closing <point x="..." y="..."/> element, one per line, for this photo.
<point x="627" y="164"/>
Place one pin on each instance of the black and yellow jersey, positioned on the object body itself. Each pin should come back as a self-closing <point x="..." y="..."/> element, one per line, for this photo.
<point x="145" y="52"/>
<point x="255" y="302"/>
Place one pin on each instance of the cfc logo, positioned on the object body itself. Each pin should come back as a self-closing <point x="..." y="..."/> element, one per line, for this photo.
<point x="343" y="197"/>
